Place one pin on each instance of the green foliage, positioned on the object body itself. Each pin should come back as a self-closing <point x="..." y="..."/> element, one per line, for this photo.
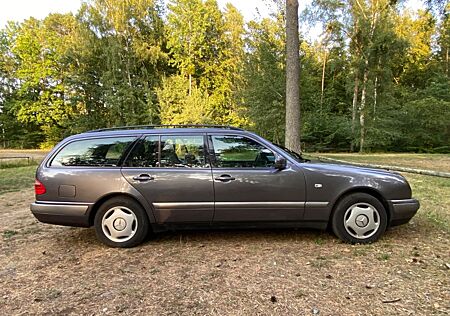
<point x="325" y="131"/>
<point x="177" y="106"/>
<point x="188" y="61"/>
<point x="206" y="46"/>
<point x="264" y="84"/>
<point x="41" y="96"/>
<point x="432" y="106"/>
<point x="122" y="58"/>
<point x="413" y="66"/>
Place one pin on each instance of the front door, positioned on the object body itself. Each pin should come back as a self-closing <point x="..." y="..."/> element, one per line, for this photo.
<point x="174" y="174"/>
<point x="247" y="186"/>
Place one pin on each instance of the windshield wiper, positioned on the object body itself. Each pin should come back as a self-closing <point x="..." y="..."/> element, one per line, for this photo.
<point x="293" y="153"/>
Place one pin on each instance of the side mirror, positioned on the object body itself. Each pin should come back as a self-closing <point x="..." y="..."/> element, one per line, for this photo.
<point x="280" y="163"/>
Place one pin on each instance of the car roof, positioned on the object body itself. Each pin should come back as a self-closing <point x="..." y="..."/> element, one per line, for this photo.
<point x="159" y="129"/>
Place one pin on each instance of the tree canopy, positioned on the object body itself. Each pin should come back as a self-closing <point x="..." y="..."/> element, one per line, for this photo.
<point x="376" y="79"/>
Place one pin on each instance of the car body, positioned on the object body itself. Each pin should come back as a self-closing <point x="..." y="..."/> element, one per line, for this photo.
<point x="132" y="180"/>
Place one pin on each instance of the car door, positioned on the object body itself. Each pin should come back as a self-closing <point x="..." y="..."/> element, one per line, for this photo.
<point x="174" y="174"/>
<point x="247" y="186"/>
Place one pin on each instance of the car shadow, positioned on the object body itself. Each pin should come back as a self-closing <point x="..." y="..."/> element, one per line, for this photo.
<point x="240" y="234"/>
<point x="86" y="236"/>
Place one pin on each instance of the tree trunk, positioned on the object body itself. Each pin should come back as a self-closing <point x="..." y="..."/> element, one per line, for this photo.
<point x="189" y="54"/>
<point x="323" y="79"/>
<point x="354" y="109"/>
<point x="4" y="138"/>
<point x="375" y="89"/>
<point x="362" y="113"/>
<point x="190" y="84"/>
<point x="128" y="63"/>
<point x="292" y="137"/>
<point x="362" y="107"/>
<point x="446" y="62"/>
<point x="375" y="95"/>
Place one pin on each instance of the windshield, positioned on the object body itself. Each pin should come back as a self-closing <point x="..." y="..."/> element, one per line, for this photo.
<point x="292" y="154"/>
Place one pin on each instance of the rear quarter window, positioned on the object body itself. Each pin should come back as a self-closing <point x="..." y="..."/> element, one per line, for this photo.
<point x="98" y="152"/>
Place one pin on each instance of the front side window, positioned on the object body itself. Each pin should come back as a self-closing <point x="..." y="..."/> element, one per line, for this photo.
<point x="99" y="152"/>
<point x="241" y="152"/>
<point x="174" y="151"/>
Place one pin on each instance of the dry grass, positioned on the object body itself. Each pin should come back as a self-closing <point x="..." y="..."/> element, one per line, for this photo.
<point x="48" y="269"/>
<point x="15" y="179"/>
<point x="436" y="162"/>
<point x="36" y="154"/>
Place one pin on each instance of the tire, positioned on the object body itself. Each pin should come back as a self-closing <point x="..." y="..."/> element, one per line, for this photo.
<point x="121" y="222"/>
<point x="359" y="218"/>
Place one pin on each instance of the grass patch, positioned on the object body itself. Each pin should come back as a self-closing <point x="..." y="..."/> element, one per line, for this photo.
<point x="384" y="257"/>
<point x="319" y="241"/>
<point x="434" y="196"/>
<point x="16" y="179"/>
<point x="360" y="251"/>
<point x="9" y="233"/>
<point x="7" y="164"/>
<point x="436" y="162"/>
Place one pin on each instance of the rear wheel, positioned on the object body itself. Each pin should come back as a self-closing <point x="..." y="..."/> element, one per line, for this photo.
<point x="121" y="222"/>
<point x="359" y="218"/>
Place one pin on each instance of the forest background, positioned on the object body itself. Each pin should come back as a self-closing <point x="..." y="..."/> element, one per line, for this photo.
<point x="376" y="78"/>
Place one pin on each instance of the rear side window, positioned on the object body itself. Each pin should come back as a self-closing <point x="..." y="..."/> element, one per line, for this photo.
<point x="99" y="152"/>
<point x="174" y="151"/>
<point x="144" y="154"/>
<point x="183" y="151"/>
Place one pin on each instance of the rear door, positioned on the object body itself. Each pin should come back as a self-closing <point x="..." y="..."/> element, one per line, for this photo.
<point x="174" y="174"/>
<point x="248" y="188"/>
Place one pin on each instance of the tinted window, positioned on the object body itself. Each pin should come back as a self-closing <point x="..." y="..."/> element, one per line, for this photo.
<point x="93" y="152"/>
<point x="183" y="151"/>
<point x="241" y="152"/>
<point x="176" y="152"/>
<point x="144" y="154"/>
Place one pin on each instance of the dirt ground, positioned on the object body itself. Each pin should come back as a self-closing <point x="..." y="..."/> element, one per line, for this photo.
<point x="56" y="270"/>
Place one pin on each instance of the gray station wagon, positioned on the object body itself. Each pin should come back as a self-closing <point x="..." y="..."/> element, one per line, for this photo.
<point x="130" y="181"/>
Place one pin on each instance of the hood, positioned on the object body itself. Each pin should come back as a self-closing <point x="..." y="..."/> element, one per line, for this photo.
<point x="340" y="167"/>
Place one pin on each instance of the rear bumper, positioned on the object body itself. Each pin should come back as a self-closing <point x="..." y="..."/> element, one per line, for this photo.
<point x="61" y="214"/>
<point x="403" y="210"/>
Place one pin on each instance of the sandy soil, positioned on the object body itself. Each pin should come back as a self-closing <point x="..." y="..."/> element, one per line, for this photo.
<point x="57" y="270"/>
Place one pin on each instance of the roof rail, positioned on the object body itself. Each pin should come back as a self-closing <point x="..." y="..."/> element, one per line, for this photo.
<point x="164" y="126"/>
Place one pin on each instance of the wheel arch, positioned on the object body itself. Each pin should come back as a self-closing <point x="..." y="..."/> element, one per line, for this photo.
<point x="94" y="208"/>
<point x="368" y="190"/>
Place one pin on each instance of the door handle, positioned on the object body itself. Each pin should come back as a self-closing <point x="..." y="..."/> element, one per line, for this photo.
<point x="143" y="178"/>
<point x="225" y="178"/>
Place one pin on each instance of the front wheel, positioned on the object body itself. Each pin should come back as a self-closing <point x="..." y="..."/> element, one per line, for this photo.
<point x="359" y="218"/>
<point x="121" y="222"/>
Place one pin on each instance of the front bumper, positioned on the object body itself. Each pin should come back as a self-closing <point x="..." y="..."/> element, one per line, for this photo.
<point x="403" y="210"/>
<point x="66" y="214"/>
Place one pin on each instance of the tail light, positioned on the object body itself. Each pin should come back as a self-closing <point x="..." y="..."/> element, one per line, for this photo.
<point x="39" y="188"/>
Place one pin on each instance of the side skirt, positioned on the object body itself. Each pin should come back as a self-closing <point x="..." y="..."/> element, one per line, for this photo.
<point x="321" y="225"/>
